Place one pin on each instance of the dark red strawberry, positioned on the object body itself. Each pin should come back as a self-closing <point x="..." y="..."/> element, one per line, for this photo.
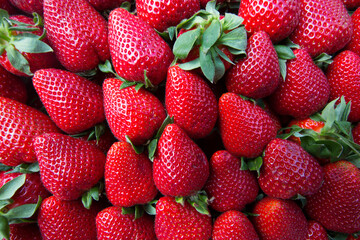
<point x="354" y="44"/>
<point x="245" y="128"/>
<point x="351" y="237"/>
<point x="29" y="6"/>
<point x="12" y="86"/>
<point x="7" y="6"/>
<point x="316" y="231"/>
<point x="204" y="2"/>
<point x="191" y="102"/>
<point x="351" y="4"/>
<point x="176" y="221"/>
<point x="77" y="33"/>
<point x="356" y="133"/>
<point x="25" y="232"/>
<point x="19" y="124"/>
<point x="137" y="49"/>
<point x="68" y="166"/>
<point x="112" y="224"/>
<point x="278" y="18"/>
<point x="102" y="5"/>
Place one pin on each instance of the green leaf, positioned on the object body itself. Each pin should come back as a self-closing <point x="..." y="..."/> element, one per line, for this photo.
<point x="127" y="84"/>
<point x="231" y="21"/>
<point x="190" y="65"/>
<point x="287" y="42"/>
<point x="137" y="149"/>
<point x="150" y="208"/>
<point x="37" y="19"/>
<point x="244" y="165"/>
<point x="26" y="168"/>
<point x="197" y="19"/>
<point x="4" y="226"/>
<point x="200" y="202"/>
<point x="172" y="33"/>
<point x="127" y="210"/>
<point x="222" y="55"/>
<point x="23" y="211"/>
<point x="255" y="164"/>
<point x="168" y="120"/>
<point x="236" y="39"/>
<point x="219" y="66"/>
<point x="148" y="83"/>
<point x="4" y="167"/>
<point x="300" y="198"/>
<point x="3" y="14"/>
<point x="152" y="148"/>
<point x="284" y="52"/>
<point x="9" y="189"/>
<point x="17" y="60"/>
<point x="337" y="236"/>
<point x="106" y="67"/>
<point x="126" y="5"/>
<point x="23" y="29"/>
<point x="4" y="203"/>
<point x="211" y="35"/>
<point x="180" y="200"/>
<point x="207" y="65"/>
<point x="185" y="42"/>
<point x="138" y="212"/>
<point x="282" y="65"/>
<point x="211" y="8"/>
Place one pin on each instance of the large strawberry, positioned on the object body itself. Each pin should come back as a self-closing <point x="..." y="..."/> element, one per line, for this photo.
<point x="324" y="27"/>
<point x="19" y="124"/>
<point x="74" y="103"/>
<point x="245" y="128"/>
<point x="68" y="166"/>
<point x="191" y="102"/>
<point x="77" y="33"/>
<point x="29" y="6"/>
<point x="137" y="114"/>
<point x="180" y="167"/>
<point x="316" y="231"/>
<point x="278" y="18"/>
<point x="354" y="44"/>
<point x="136" y="49"/>
<point x="12" y="86"/>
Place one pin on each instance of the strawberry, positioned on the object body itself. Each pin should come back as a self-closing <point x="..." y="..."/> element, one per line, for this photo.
<point x="306" y="123"/>
<point x="130" y="112"/>
<point x="112" y="224"/>
<point x="29" y="6"/>
<point x="102" y="5"/>
<point x="74" y="103"/>
<point x="344" y="80"/>
<point x="68" y="166"/>
<point x="257" y="75"/>
<point x="191" y="102"/>
<point x="276" y="18"/>
<point x="176" y="221"/>
<point x="7" y="6"/>
<point x="136" y="49"/>
<point x="180" y="167"/>
<point x="245" y="128"/>
<point x="324" y="27"/>
<point x="12" y="86"/>
<point x="354" y="44"/>
<point x="229" y="187"/>
<point x="351" y="4"/>
<point x="25" y="232"/>
<point x="60" y="219"/>
<point x="78" y="45"/>
<point x="351" y="237"/>
<point x="279" y="219"/>
<point x="233" y="225"/>
<point x="356" y="133"/>
<point x="316" y="231"/>
<point x="305" y="89"/>
<point x="289" y="170"/>
<point x="19" y="124"/>
<point x="336" y="204"/>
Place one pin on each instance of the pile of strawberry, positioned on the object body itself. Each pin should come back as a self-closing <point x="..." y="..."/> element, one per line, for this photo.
<point x="168" y="119"/>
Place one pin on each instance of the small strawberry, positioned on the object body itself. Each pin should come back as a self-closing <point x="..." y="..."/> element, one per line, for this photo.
<point x="354" y="44"/>
<point x="316" y="231"/>
<point x="12" y="86"/>
<point x="174" y="220"/>
<point x="29" y="6"/>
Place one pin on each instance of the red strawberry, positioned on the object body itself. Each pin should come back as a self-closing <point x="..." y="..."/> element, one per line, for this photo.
<point x="324" y="27"/>
<point x="233" y="225"/>
<point x="351" y="237"/>
<point x="25" y="232"/>
<point x="112" y="224"/>
<point x="191" y="102"/>
<point x="68" y="166"/>
<point x="102" y="5"/>
<point x="77" y="33"/>
<point x="176" y="221"/>
<point x="135" y="48"/>
<point x="137" y="114"/>
<point x="354" y="44"/>
<point x="336" y="204"/>
<point x="279" y="219"/>
<point x="29" y="6"/>
<point x="257" y="75"/>
<point x="316" y="231"/>
<point x="306" y="123"/>
<point x="244" y="127"/>
<point x="229" y="187"/>
<point x="74" y="103"/>
<point x="19" y="124"/>
<point x="7" y="6"/>
<point x="344" y="80"/>
<point x="351" y="4"/>
<point x="356" y="133"/>
<point x="276" y="18"/>
<point x="180" y="167"/>
<point x="60" y="220"/>
<point x="305" y="89"/>
<point x="12" y="86"/>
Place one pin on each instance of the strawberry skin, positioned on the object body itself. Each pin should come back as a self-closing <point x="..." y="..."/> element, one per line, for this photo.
<point x="354" y="44"/>
<point x="306" y="123"/>
<point x="180" y="167"/>
<point x="29" y="6"/>
<point x="176" y="221"/>
<point x="19" y="124"/>
<point x="27" y="231"/>
<point x="191" y="102"/>
<point x="112" y="224"/>
<point x="136" y="47"/>
<point x="356" y="133"/>
<point x="77" y="33"/>
<point x="137" y="114"/>
<point x="74" y="103"/>
<point x="316" y="231"/>
<point x="68" y="166"/>
<point x="12" y="86"/>
<point x="244" y="127"/>
<point x="102" y="5"/>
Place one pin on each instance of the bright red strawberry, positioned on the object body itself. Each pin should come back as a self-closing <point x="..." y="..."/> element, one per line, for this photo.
<point x="161" y="14"/>
<point x="233" y="225"/>
<point x="229" y="187"/>
<point x="180" y="167"/>
<point x="356" y="133"/>
<point x="325" y="26"/>
<point x="137" y="114"/>
<point x="112" y="224"/>
<point x="68" y="166"/>
<point x="305" y="89"/>
<point x="176" y="221"/>
<point x="74" y="103"/>
<point x="316" y="231"/>
<point x="344" y="80"/>
<point x="19" y="124"/>
<point x="136" y="48"/>
<point x="289" y="170"/>
<point x="278" y="18"/>
<point x="245" y="128"/>
<point x="257" y="75"/>
<point x="77" y="33"/>
<point x="12" y="86"/>
<point x="25" y="232"/>
<point x="336" y="204"/>
<point x="191" y="102"/>
<point x="128" y="176"/>
<point x="279" y="219"/>
<point x="354" y="44"/>
<point x="29" y="6"/>
<point x="59" y="219"/>
<point x="102" y="5"/>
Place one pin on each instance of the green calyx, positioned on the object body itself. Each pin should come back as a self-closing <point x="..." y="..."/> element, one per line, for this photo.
<point x="199" y="201"/>
<point x="92" y="194"/>
<point x="285" y="53"/>
<point x="138" y="210"/>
